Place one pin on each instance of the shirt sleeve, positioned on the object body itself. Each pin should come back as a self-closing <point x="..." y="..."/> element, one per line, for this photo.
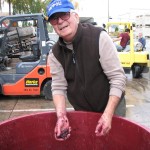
<point x="59" y="83"/>
<point x="111" y="65"/>
<point x="144" y="42"/>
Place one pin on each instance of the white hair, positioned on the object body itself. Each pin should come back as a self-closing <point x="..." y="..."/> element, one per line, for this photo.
<point x="73" y="11"/>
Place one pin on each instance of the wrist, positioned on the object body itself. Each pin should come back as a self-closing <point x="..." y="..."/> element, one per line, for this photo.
<point x="60" y="111"/>
<point x="61" y="114"/>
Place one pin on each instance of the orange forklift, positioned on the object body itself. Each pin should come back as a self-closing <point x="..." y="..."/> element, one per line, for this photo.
<point x="24" y="49"/>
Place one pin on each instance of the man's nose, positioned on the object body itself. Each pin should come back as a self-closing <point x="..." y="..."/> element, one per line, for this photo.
<point x="60" y="20"/>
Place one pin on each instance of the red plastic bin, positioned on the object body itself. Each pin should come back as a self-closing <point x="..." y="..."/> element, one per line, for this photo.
<point x="36" y="132"/>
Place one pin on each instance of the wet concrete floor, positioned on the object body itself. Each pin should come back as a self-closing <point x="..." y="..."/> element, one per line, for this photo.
<point x="137" y="103"/>
<point x="138" y="99"/>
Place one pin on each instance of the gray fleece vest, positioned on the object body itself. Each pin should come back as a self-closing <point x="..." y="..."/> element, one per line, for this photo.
<point x="88" y="86"/>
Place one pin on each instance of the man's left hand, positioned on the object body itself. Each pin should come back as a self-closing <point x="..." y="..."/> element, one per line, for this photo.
<point x="104" y="125"/>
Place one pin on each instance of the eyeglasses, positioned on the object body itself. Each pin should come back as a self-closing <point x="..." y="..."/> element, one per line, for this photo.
<point x="63" y="15"/>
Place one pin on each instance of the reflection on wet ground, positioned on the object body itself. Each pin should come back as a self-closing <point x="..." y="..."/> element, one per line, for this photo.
<point x="137" y="101"/>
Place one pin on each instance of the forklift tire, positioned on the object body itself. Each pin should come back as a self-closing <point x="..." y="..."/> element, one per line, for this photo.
<point x="47" y="90"/>
<point x="136" y="71"/>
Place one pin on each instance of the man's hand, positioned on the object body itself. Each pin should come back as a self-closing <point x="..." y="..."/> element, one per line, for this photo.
<point x="104" y="123"/>
<point x="62" y="129"/>
<point x="103" y="126"/>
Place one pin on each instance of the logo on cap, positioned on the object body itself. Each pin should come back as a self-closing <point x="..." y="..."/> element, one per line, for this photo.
<point x="55" y="3"/>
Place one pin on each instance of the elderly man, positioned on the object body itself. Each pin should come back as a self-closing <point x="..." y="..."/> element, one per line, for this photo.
<point x="142" y="40"/>
<point x="85" y="68"/>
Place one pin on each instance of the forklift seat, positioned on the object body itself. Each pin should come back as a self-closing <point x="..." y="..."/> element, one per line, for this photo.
<point x="35" y="53"/>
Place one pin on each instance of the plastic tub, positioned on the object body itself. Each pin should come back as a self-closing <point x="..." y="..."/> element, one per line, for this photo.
<point x="36" y="132"/>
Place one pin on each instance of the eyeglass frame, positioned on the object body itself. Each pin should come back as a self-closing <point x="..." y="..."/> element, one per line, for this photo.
<point x="63" y="15"/>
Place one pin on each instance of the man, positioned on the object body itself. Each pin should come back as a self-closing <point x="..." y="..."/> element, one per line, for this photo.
<point x="85" y="68"/>
<point x="124" y="39"/>
<point x="142" y="41"/>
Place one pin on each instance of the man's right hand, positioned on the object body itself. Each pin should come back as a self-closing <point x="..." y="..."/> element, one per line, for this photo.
<point x="62" y="128"/>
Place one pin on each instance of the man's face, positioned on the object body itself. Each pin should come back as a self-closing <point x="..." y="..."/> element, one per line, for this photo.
<point x="140" y="35"/>
<point x="66" y="27"/>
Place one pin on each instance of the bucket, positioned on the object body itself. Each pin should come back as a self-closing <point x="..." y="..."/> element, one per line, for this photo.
<point x="36" y="132"/>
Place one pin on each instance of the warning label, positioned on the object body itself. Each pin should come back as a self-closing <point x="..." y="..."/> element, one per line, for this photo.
<point x="31" y="82"/>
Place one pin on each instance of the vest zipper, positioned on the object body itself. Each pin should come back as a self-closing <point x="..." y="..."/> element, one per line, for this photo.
<point x="73" y="57"/>
<point x="82" y="82"/>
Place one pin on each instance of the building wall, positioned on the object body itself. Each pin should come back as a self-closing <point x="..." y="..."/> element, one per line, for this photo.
<point x="143" y="25"/>
<point x="4" y="9"/>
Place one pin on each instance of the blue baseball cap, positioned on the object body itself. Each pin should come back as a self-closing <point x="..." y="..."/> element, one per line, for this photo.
<point x="58" y="6"/>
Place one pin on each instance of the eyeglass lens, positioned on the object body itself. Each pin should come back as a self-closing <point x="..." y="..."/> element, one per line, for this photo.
<point x="63" y="15"/>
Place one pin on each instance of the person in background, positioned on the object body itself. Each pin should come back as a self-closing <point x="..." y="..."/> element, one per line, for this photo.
<point x="142" y="40"/>
<point x="85" y="69"/>
<point x="124" y="39"/>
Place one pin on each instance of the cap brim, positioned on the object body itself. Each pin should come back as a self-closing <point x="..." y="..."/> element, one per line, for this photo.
<point x="59" y="10"/>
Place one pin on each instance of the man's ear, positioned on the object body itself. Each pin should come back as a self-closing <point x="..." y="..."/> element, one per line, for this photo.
<point x="77" y="17"/>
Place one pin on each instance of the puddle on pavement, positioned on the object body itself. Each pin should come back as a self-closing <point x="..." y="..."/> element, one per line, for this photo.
<point x="137" y="90"/>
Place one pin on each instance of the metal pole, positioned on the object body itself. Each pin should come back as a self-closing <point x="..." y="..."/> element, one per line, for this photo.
<point x="9" y="7"/>
<point x="108" y="10"/>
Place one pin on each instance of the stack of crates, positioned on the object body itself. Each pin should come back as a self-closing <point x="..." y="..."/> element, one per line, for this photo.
<point x="143" y="25"/>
